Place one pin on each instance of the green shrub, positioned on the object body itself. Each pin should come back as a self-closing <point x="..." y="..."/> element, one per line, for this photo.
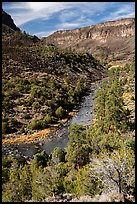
<point x="35" y="124"/>
<point x="5" y="127"/>
<point x="58" y="155"/>
<point x="40" y="159"/>
<point x="59" y="112"/>
<point x="36" y="104"/>
<point x="47" y="119"/>
<point x="22" y="130"/>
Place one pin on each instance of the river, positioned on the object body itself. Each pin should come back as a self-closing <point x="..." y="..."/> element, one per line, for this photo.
<point x="83" y="117"/>
<point x="60" y="137"/>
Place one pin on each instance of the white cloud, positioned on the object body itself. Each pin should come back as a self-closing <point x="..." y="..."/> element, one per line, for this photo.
<point x="69" y="25"/>
<point x="70" y="14"/>
<point x="44" y="33"/>
<point x="35" y="10"/>
<point x="15" y="5"/>
<point x="23" y="18"/>
<point x="49" y="6"/>
<point x="124" y="12"/>
<point x="23" y="12"/>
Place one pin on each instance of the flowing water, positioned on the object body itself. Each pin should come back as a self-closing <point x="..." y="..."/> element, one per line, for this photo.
<point x="60" y="137"/>
<point x="83" y="117"/>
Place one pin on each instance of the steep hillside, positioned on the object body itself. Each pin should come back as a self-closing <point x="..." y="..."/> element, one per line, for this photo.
<point x="7" y="22"/>
<point x="114" y="41"/>
<point x="12" y="35"/>
<point x="41" y="83"/>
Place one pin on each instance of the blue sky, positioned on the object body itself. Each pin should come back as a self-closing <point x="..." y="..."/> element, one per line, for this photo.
<point x="44" y="18"/>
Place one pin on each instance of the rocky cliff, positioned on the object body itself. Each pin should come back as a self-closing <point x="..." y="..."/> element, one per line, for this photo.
<point x="8" y="23"/>
<point x="114" y="40"/>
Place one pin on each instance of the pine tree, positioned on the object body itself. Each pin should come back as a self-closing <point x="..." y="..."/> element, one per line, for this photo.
<point x="115" y="112"/>
<point x="109" y="107"/>
<point x="77" y="150"/>
<point x="58" y="155"/>
<point x="100" y="106"/>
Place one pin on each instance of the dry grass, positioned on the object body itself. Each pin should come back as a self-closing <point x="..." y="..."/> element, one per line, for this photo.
<point x="73" y="113"/>
<point x="41" y="134"/>
<point x="130" y="104"/>
<point x="28" y="138"/>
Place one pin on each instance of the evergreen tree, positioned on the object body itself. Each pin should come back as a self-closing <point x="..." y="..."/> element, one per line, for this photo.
<point x="58" y="155"/>
<point x="40" y="159"/>
<point x="77" y="150"/>
<point x="59" y="112"/>
<point x="48" y="181"/>
<point x="18" y="188"/>
<point x="84" y="184"/>
<point x="115" y="112"/>
<point x="109" y="107"/>
<point x="100" y="106"/>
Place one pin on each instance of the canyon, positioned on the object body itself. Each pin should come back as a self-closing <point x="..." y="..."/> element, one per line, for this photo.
<point x="114" y="40"/>
<point x="64" y="109"/>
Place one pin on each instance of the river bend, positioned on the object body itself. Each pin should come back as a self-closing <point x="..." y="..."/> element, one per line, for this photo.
<point x="60" y="137"/>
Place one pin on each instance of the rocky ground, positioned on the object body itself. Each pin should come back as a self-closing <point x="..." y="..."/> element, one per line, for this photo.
<point x="104" y="197"/>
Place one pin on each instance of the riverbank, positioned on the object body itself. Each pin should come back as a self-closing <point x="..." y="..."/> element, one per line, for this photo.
<point x="42" y="134"/>
<point x="28" y="145"/>
<point x="57" y="134"/>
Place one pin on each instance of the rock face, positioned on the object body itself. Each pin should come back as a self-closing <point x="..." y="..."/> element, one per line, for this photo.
<point x="8" y="21"/>
<point x="115" y="39"/>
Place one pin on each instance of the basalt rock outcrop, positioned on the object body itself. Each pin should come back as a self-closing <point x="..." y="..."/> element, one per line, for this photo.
<point x="114" y="40"/>
<point x="8" y="23"/>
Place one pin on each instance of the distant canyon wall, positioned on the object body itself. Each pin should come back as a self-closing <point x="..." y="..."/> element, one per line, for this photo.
<point x="92" y="38"/>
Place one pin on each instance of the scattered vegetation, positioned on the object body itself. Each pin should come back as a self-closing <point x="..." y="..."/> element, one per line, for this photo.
<point x="42" y="84"/>
<point x="98" y="159"/>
